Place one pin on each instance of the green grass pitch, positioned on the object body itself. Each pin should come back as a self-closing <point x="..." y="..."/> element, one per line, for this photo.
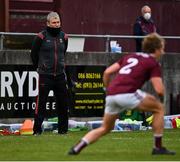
<point x="117" y="146"/>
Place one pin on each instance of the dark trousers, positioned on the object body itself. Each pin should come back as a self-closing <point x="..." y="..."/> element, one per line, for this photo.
<point x="59" y="85"/>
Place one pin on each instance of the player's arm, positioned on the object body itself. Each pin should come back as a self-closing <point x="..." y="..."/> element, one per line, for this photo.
<point x="109" y="72"/>
<point x="158" y="85"/>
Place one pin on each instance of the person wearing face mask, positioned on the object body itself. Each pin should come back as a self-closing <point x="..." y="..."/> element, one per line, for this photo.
<point x="143" y="26"/>
<point x="48" y="55"/>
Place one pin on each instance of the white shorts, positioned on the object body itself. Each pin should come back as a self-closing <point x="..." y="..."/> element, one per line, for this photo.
<point x="120" y="102"/>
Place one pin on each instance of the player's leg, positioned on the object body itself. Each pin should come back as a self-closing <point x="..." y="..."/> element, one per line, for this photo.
<point x="107" y="126"/>
<point x="94" y="135"/>
<point x="151" y="104"/>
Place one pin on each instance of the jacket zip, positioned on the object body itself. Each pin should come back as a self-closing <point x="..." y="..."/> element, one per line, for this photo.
<point x="55" y="57"/>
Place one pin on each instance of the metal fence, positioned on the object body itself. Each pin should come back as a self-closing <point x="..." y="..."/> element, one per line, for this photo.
<point x="106" y="37"/>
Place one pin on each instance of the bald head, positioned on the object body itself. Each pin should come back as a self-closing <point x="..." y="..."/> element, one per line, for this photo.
<point x="146" y="12"/>
<point x="145" y="9"/>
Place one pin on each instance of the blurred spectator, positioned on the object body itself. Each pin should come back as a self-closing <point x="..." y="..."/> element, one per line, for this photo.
<point x="144" y="25"/>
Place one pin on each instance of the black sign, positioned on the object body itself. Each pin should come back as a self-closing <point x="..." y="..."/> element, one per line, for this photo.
<point x="19" y="88"/>
<point x="89" y="98"/>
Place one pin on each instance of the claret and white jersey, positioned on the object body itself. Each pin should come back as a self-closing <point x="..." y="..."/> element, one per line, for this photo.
<point x="135" y="70"/>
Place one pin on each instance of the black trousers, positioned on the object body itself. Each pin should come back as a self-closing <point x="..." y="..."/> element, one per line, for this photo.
<point x="59" y="85"/>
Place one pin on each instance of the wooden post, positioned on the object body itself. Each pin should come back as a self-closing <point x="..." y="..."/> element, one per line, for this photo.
<point x="4" y="15"/>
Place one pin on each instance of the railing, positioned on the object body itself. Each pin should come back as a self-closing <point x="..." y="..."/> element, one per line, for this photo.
<point x="107" y="37"/>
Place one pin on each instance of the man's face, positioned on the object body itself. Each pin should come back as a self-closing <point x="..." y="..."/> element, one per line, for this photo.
<point x="160" y="51"/>
<point x="146" y="12"/>
<point x="54" y="22"/>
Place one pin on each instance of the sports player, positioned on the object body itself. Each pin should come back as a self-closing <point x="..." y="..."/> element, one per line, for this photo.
<point x="123" y="92"/>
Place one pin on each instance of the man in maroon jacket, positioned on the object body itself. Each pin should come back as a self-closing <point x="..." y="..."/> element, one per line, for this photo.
<point x="123" y="92"/>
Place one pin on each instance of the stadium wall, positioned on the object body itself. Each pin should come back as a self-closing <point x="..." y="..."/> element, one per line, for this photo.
<point x="102" y="17"/>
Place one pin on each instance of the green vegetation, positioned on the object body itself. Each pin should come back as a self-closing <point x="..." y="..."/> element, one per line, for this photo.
<point x="117" y="146"/>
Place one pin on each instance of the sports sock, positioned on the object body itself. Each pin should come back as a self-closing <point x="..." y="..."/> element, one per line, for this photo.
<point x="80" y="145"/>
<point x="158" y="140"/>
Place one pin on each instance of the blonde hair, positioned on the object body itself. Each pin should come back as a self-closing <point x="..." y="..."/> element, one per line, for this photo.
<point x="152" y="42"/>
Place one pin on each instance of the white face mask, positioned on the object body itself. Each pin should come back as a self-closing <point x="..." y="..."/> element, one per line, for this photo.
<point x="147" y="16"/>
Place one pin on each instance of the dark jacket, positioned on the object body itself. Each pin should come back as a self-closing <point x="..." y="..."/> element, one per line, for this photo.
<point x="143" y="27"/>
<point x="48" y="52"/>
